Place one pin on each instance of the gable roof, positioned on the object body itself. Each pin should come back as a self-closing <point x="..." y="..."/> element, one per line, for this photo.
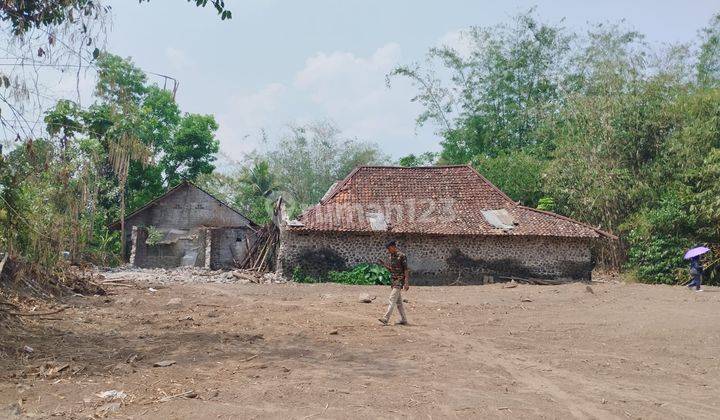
<point x="438" y="200"/>
<point x="184" y="183"/>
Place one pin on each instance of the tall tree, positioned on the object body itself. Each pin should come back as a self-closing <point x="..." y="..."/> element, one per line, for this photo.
<point x="308" y="160"/>
<point x="708" y="68"/>
<point x="24" y="15"/>
<point x="499" y="92"/>
<point x="178" y="146"/>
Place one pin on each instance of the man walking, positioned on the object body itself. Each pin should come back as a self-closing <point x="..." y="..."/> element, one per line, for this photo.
<point x="400" y="280"/>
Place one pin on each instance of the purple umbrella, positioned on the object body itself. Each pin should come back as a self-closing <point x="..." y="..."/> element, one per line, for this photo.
<point x="696" y="251"/>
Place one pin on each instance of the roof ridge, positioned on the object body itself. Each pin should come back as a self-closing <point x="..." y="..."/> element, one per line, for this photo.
<point x="487" y="181"/>
<point x="170" y="191"/>
<point x="220" y="201"/>
<point x="568" y="219"/>
<point x="411" y="167"/>
<point x="341" y="184"/>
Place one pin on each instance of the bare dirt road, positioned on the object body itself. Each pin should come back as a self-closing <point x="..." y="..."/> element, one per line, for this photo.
<point x="315" y="351"/>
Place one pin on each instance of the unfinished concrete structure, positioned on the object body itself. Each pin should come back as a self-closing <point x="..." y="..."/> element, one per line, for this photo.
<point x="453" y="224"/>
<point x="186" y="226"/>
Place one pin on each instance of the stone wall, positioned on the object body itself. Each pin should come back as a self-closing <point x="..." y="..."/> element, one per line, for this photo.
<point x="435" y="260"/>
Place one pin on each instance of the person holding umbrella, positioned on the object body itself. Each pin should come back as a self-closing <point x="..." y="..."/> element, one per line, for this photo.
<point x="696" y="268"/>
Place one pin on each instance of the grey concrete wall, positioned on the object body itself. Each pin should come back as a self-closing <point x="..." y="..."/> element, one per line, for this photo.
<point x="228" y="245"/>
<point x="435" y="260"/>
<point x="186" y="249"/>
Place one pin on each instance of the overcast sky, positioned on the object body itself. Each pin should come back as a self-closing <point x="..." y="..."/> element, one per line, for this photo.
<point x="280" y="62"/>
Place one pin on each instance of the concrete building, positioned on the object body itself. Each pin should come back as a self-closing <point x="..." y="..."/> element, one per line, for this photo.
<point x="453" y="224"/>
<point x="186" y="226"/>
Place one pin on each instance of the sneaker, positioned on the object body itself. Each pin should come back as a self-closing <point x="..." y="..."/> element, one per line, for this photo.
<point x="383" y="321"/>
<point x="699" y="290"/>
<point x="401" y="323"/>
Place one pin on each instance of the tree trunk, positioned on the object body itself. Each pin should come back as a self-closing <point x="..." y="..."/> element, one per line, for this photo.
<point x="122" y="219"/>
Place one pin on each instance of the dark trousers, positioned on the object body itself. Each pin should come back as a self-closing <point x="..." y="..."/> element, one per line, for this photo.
<point x="696" y="281"/>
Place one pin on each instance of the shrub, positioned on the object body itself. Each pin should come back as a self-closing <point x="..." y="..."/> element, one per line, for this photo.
<point x="367" y="274"/>
<point x="299" y="276"/>
<point x="546" y="203"/>
<point x="154" y="235"/>
<point x="363" y="274"/>
<point x="658" y="238"/>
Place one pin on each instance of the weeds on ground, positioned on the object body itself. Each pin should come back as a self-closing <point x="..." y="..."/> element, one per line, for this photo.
<point x="299" y="276"/>
<point x="361" y="274"/>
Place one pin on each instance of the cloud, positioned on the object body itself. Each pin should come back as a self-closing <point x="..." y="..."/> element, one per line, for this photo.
<point x="341" y="86"/>
<point x="459" y="40"/>
<point x="247" y="115"/>
<point x="325" y="75"/>
<point x="351" y="90"/>
<point x="178" y="59"/>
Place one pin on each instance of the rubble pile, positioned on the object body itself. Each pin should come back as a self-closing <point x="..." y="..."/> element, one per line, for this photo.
<point x="188" y="275"/>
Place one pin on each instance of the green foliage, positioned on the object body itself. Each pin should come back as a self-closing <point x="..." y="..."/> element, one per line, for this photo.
<point x="175" y="146"/>
<point x="499" y="92"/>
<point x="604" y="129"/>
<point x="154" y="235"/>
<point x="48" y="195"/>
<point x="119" y="80"/>
<point x="258" y="191"/>
<point x="546" y="204"/>
<point x="252" y="190"/>
<point x="299" y="276"/>
<point x="365" y="274"/>
<point x="708" y="68"/>
<point x="64" y="120"/>
<point x="516" y="173"/>
<point x="59" y="194"/>
<point x="424" y="159"/>
<point x="308" y="160"/>
<point x="361" y="274"/>
<point x="28" y="14"/>
<point x="191" y="150"/>
<point x="658" y="238"/>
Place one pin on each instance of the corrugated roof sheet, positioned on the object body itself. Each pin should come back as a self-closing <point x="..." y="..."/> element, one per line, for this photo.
<point x="500" y="219"/>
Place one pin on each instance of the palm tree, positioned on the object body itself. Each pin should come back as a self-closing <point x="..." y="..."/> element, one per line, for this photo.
<point x="261" y="181"/>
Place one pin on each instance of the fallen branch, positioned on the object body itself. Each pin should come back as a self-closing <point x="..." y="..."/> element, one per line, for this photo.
<point x="318" y="414"/>
<point x="535" y="281"/>
<point x="249" y="358"/>
<point x="2" y="263"/>
<point x="117" y="280"/>
<point x="112" y="283"/>
<point x="31" y="313"/>
<point x="186" y="394"/>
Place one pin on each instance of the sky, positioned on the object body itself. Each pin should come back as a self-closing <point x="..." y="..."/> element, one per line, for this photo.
<point x="277" y="63"/>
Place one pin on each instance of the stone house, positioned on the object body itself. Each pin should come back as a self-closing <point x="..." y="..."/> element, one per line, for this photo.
<point x="186" y="226"/>
<point x="453" y="224"/>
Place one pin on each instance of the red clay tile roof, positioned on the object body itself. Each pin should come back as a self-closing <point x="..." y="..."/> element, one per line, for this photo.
<point x="439" y="200"/>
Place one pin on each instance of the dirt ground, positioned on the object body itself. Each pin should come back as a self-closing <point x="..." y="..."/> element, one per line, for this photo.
<point x="315" y="351"/>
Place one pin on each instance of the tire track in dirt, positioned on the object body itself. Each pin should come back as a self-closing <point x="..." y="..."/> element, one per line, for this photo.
<point x="578" y="407"/>
<point x="530" y="374"/>
<point x="576" y="394"/>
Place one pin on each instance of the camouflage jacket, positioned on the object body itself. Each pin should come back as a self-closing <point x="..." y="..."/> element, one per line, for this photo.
<point x="398" y="265"/>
